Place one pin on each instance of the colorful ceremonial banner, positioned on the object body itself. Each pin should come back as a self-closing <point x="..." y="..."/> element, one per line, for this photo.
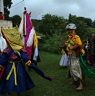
<point x="30" y="40"/>
<point x="13" y="38"/>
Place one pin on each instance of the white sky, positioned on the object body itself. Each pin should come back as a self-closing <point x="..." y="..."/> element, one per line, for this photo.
<point x="85" y="8"/>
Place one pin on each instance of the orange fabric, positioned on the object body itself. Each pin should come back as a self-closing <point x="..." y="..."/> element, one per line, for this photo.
<point x="76" y="39"/>
<point x="77" y="42"/>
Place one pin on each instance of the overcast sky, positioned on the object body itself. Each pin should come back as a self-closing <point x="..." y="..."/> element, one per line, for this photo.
<point x="85" y="8"/>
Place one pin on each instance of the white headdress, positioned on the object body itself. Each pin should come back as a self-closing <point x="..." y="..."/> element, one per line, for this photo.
<point x="3" y="43"/>
<point x="71" y="26"/>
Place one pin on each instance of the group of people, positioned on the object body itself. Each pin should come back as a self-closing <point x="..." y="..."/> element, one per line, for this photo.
<point x="89" y="48"/>
<point x="13" y="60"/>
<point x="77" y="57"/>
<point x="14" y="77"/>
<point x="73" y="48"/>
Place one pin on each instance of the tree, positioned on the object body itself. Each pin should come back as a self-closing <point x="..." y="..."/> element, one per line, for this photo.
<point x="52" y="24"/>
<point x="7" y="6"/>
<point x="93" y="24"/>
<point x="16" y="20"/>
<point x="88" y="21"/>
<point x="80" y="23"/>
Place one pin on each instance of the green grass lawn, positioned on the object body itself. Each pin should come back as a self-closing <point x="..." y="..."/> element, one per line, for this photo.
<point x="61" y="85"/>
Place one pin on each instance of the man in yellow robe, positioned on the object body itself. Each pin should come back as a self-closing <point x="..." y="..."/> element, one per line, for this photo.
<point x="74" y="49"/>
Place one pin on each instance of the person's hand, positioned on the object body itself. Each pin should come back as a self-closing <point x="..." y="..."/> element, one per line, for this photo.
<point x="28" y="62"/>
<point x="71" y="47"/>
<point x="66" y="43"/>
<point x="1" y="67"/>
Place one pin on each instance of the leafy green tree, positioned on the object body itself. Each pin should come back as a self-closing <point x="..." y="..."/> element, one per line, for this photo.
<point x="7" y="6"/>
<point x="93" y="24"/>
<point x="81" y="25"/>
<point x="88" y="21"/>
<point x="52" y="24"/>
<point x="16" y="20"/>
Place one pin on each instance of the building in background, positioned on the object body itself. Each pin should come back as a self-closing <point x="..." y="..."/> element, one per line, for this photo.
<point x="1" y="10"/>
<point x="3" y="22"/>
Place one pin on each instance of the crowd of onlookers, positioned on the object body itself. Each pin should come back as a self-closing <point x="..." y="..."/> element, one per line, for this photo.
<point x="89" y="47"/>
<point x="77" y="56"/>
<point x="89" y="56"/>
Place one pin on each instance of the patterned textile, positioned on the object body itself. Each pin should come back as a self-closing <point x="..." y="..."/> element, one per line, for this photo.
<point x="74" y="65"/>
<point x="75" y="69"/>
<point x="13" y="38"/>
<point x="16" y="78"/>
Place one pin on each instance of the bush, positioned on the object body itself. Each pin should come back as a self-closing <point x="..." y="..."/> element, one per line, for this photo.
<point x="51" y="44"/>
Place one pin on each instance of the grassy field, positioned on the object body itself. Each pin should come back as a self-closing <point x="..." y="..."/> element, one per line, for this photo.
<point x="61" y="85"/>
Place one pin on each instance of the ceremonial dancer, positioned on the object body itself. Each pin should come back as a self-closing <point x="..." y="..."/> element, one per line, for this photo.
<point x="73" y="46"/>
<point x="30" y="42"/>
<point x="13" y="60"/>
